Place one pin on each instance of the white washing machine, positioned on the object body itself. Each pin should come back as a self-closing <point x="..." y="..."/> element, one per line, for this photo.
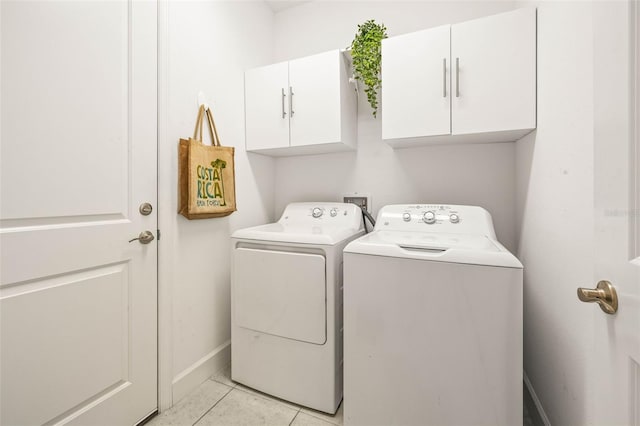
<point x="432" y="321"/>
<point x="286" y="294"/>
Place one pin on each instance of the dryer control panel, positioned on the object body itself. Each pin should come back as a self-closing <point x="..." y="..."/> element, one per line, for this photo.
<point x="322" y="214"/>
<point x="441" y="218"/>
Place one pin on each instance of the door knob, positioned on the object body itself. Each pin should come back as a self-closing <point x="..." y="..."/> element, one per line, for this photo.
<point x="145" y="209"/>
<point x="604" y="295"/>
<point x="145" y="237"/>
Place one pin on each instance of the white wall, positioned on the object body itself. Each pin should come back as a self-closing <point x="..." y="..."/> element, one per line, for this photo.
<point x="205" y="46"/>
<point x="471" y="174"/>
<point x="555" y="214"/>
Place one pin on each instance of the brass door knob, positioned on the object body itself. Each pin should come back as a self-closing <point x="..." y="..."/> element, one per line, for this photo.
<point x="145" y="237"/>
<point x="604" y="295"/>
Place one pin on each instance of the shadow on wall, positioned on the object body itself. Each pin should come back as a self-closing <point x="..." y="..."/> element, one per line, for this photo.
<point x="478" y="174"/>
<point x="554" y="353"/>
<point x="524" y="163"/>
<point x="323" y="177"/>
<point x="260" y="176"/>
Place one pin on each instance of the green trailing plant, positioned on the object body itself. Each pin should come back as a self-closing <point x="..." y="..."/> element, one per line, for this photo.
<point x="366" y="53"/>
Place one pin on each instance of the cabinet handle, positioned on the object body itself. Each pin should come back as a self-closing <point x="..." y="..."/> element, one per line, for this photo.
<point x="291" y="112"/>
<point x="284" y="114"/>
<point x="444" y="77"/>
<point x="457" y="77"/>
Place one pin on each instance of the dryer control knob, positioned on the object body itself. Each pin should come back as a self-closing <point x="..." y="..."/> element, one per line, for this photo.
<point x="316" y="212"/>
<point x="429" y="217"/>
<point x="454" y="218"/>
<point x="333" y="212"/>
<point x="406" y="217"/>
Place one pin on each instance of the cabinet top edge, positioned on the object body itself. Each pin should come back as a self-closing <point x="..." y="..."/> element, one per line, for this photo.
<point x="523" y="10"/>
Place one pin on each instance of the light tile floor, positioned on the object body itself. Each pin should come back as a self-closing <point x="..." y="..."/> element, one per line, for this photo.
<point x="530" y="417"/>
<point x="220" y="401"/>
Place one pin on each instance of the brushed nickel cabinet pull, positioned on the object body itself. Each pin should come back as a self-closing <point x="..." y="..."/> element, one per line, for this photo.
<point x="444" y="77"/>
<point x="284" y="114"/>
<point x="457" y="77"/>
<point x="291" y="112"/>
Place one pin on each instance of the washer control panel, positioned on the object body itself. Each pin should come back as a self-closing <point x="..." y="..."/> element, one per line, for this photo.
<point x="429" y="217"/>
<point x="445" y="218"/>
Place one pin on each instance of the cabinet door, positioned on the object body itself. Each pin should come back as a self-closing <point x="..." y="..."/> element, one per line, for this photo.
<point x="266" y="107"/>
<point x="315" y="103"/>
<point x="495" y="87"/>
<point x="416" y="91"/>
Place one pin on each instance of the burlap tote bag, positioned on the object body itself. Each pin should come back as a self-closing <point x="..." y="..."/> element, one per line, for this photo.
<point x="206" y="184"/>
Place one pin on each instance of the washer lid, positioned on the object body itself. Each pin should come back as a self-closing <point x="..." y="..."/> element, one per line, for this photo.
<point x="439" y="247"/>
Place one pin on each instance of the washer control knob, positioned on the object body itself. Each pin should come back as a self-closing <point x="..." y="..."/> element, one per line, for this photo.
<point x="316" y="212"/>
<point x="333" y="212"/>
<point x="454" y="218"/>
<point x="406" y="217"/>
<point x="429" y="217"/>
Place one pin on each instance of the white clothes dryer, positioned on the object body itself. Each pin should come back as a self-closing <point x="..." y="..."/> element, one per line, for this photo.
<point x="432" y="321"/>
<point x="286" y="294"/>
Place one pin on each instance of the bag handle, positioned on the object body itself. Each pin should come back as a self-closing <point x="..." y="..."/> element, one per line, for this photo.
<point x="212" y="128"/>
<point x="197" y="132"/>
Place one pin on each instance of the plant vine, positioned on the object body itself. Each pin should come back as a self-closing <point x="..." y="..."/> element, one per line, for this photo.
<point x="366" y="53"/>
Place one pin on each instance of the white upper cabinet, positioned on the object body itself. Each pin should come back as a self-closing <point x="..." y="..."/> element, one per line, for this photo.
<point x="496" y="84"/>
<point x="315" y="99"/>
<point x="469" y="82"/>
<point x="266" y="106"/>
<point x="304" y="106"/>
<point x="416" y="89"/>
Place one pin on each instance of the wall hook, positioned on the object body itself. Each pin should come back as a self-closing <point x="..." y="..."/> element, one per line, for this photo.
<point x="202" y="100"/>
<point x="354" y="81"/>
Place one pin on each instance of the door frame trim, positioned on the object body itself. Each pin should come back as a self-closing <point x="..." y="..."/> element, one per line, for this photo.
<point x="635" y="124"/>
<point x="165" y="271"/>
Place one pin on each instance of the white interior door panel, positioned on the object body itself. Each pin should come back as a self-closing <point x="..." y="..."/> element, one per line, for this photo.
<point x="78" y="156"/>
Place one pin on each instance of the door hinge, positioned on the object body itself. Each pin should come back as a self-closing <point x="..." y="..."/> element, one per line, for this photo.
<point x="158" y="234"/>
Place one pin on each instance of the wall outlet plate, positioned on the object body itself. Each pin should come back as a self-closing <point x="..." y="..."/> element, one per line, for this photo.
<point x="358" y="200"/>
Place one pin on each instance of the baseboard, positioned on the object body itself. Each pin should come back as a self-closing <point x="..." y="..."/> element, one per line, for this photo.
<point x="190" y="378"/>
<point x="536" y="400"/>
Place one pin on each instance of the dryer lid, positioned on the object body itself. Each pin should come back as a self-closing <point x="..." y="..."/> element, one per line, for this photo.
<point x="316" y="235"/>
<point x="439" y="247"/>
<point x="309" y="223"/>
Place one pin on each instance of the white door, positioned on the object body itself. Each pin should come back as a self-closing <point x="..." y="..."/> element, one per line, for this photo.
<point x="416" y="90"/>
<point x="78" y="157"/>
<point x="494" y="73"/>
<point x="315" y="99"/>
<point x="267" y="106"/>
<point x="614" y="376"/>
